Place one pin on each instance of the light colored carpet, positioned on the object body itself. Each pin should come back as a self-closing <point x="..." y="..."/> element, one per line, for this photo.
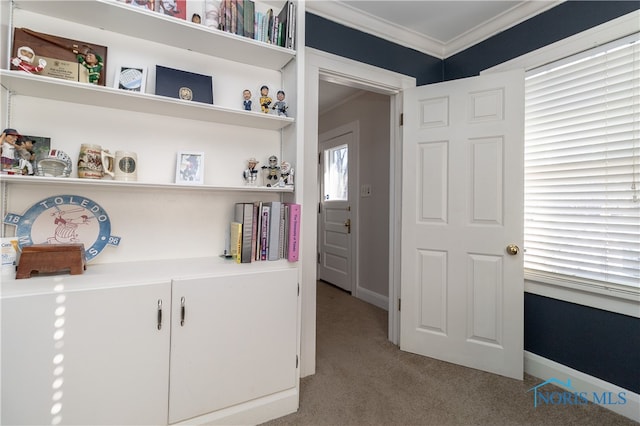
<point x="363" y="379"/>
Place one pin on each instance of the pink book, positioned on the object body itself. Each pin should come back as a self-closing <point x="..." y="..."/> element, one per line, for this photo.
<point x="294" y="232"/>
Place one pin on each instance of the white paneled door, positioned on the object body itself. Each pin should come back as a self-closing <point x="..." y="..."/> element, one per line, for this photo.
<point x="335" y="221"/>
<point x="462" y="222"/>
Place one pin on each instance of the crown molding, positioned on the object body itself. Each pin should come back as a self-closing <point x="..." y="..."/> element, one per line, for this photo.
<point x="353" y="18"/>
<point x="512" y="17"/>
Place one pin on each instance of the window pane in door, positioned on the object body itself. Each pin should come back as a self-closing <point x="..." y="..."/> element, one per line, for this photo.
<point x="336" y="176"/>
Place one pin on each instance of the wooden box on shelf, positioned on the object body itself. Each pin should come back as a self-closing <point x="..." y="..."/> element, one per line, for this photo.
<point x="44" y="258"/>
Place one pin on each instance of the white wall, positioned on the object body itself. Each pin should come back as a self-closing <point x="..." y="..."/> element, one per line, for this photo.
<point x="372" y="111"/>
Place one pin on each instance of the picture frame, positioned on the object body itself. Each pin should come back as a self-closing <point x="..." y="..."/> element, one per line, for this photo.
<point x="143" y="4"/>
<point x="190" y="168"/>
<point x="132" y="78"/>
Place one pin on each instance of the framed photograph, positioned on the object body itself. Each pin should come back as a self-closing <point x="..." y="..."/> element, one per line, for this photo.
<point x="190" y="168"/>
<point x="131" y="78"/>
<point x="173" y="8"/>
<point x="144" y="4"/>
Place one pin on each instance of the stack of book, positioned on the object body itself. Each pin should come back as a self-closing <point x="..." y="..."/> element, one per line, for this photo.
<point x="265" y="231"/>
<point x="240" y="17"/>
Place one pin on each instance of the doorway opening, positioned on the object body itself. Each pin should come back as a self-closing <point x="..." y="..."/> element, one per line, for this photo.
<point x="354" y="164"/>
<point x="325" y="67"/>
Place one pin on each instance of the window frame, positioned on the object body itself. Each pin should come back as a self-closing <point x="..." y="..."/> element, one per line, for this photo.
<point x="614" y="298"/>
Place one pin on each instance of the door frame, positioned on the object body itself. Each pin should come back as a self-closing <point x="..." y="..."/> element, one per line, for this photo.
<point x="354" y="200"/>
<point x="351" y="73"/>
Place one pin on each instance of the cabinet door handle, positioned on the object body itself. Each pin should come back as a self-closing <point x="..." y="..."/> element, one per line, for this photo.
<point x="159" y="314"/>
<point x="182" y="312"/>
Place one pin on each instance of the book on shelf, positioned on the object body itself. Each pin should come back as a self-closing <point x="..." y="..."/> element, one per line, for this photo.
<point x="240" y="17"/>
<point x="249" y="18"/>
<point x="233" y="18"/>
<point x="285" y="226"/>
<point x="255" y="241"/>
<point x="273" y="252"/>
<point x="281" y="242"/>
<point x="268" y="22"/>
<point x="286" y="25"/>
<point x="244" y="215"/>
<point x="294" y="232"/>
<point x="235" y="241"/>
<point x="265" y="231"/>
<point x="265" y="213"/>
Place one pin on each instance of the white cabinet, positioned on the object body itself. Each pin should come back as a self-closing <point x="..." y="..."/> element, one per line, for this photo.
<point x="233" y="339"/>
<point x="205" y="347"/>
<point x="86" y="356"/>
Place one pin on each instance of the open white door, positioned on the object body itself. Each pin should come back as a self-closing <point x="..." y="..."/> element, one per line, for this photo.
<point x="462" y="222"/>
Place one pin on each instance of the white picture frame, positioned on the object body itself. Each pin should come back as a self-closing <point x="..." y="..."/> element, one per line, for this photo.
<point x="190" y="168"/>
<point x="132" y="78"/>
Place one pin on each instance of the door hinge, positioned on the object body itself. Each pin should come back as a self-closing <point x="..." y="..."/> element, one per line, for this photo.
<point x="296" y="361"/>
<point x="298" y="289"/>
<point x="399" y="304"/>
<point x="318" y="257"/>
<point x="319" y="158"/>
<point x="402" y="118"/>
<point x="319" y="208"/>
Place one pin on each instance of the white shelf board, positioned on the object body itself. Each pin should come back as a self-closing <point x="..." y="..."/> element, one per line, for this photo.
<point x="39" y="180"/>
<point x="22" y="83"/>
<point x="125" y="274"/>
<point x="148" y="25"/>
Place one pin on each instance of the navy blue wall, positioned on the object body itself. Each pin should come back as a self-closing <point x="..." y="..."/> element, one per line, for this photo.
<point x="560" y="22"/>
<point x="599" y="343"/>
<point x="330" y="37"/>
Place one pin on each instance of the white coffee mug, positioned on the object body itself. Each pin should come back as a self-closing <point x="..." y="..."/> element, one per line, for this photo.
<point x="124" y="166"/>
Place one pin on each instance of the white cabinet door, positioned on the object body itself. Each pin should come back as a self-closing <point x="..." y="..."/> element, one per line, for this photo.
<point x="86" y="357"/>
<point x="233" y="340"/>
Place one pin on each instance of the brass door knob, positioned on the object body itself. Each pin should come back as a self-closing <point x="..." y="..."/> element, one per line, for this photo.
<point x="348" y="225"/>
<point x="513" y="249"/>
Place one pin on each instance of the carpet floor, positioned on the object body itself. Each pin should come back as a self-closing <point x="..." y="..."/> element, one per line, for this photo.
<point x="363" y="379"/>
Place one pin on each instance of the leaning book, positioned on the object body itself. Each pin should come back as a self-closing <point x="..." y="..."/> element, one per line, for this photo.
<point x="235" y="241"/>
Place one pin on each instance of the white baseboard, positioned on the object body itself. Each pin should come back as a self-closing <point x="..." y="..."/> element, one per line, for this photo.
<point x="253" y="412"/>
<point x="544" y="369"/>
<point x="374" y="298"/>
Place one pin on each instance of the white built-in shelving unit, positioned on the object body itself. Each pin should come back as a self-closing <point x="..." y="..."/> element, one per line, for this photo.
<point x="126" y="341"/>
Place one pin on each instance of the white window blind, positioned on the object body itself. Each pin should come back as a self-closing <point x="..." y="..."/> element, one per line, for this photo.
<point x="582" y="194"/>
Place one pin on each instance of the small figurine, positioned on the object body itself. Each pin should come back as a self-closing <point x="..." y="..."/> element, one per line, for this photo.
<point x="195" y="18"/>
<point x="8" y="140"/>
<point x="250" y="175"/>
<point x="281" y="105"/>
<point x="246" y="94"/>
<point x="265" y="100"/>
<point x="25" y="58"/>
<point x="93" y="63"/>
<point x="271" y="172"/>
<point x="286" y="174"/>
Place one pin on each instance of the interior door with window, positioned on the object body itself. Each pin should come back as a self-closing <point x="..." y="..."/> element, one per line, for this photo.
<point x="462" y="222"/>
<point x="335" y="246"/>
